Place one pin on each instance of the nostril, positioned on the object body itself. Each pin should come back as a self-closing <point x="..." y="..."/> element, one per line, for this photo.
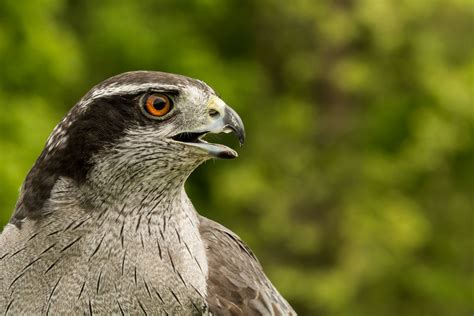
<point x="214" y="113"/>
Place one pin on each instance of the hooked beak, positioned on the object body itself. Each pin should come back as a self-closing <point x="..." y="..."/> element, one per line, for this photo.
<point x="222" y="119"/>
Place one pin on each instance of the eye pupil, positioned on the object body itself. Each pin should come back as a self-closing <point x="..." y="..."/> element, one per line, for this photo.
<point x="159" y="104"/>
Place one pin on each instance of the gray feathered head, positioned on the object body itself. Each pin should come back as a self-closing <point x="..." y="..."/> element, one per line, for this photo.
<point x="137" y="126"/>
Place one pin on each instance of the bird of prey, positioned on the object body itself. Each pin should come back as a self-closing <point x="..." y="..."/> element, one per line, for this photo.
<point x="103" y="224"/>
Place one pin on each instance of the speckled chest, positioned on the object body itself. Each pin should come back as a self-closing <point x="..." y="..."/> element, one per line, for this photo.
<point x="121" y="259"/>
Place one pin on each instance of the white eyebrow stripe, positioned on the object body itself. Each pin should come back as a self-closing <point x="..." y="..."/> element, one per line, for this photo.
<point x="118" y="89"/>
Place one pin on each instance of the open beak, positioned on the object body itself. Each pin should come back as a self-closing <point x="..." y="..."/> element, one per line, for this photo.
<point x="222" y="119"/>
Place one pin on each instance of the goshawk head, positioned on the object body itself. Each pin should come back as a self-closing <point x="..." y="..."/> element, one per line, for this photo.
<point x="131" y="129"/>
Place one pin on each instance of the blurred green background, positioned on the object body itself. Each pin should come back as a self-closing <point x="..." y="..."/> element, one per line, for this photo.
<point x="355" y="187"/>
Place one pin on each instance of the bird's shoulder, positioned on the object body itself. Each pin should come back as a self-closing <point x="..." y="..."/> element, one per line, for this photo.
<point x="237" y="284"/>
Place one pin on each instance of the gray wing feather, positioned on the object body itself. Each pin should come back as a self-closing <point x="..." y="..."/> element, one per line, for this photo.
<point x="237" y="284"/>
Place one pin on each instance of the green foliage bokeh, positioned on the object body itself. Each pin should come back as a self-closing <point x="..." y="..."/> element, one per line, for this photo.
<point x="355" y="187"/>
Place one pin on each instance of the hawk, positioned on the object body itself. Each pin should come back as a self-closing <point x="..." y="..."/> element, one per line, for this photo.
<point x="103" y="224"/>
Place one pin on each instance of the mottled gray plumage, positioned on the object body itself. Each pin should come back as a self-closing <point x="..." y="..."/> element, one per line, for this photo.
<point x="103" y="224"/>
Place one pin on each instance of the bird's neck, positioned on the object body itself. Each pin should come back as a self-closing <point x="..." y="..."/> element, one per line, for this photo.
<point x="148" y="195"/>
<point x="139" y="198"/>
<point x="155" y="207"/>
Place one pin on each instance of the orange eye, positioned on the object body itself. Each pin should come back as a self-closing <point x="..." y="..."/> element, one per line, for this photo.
<point x="157" y="105"/>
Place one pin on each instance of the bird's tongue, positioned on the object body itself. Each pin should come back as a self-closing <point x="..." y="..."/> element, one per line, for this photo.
<point x="218" y="150"/>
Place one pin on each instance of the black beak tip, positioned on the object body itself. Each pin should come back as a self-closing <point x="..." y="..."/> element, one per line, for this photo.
<point x="239" y="131"/>
<point x="234" y="122"/>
